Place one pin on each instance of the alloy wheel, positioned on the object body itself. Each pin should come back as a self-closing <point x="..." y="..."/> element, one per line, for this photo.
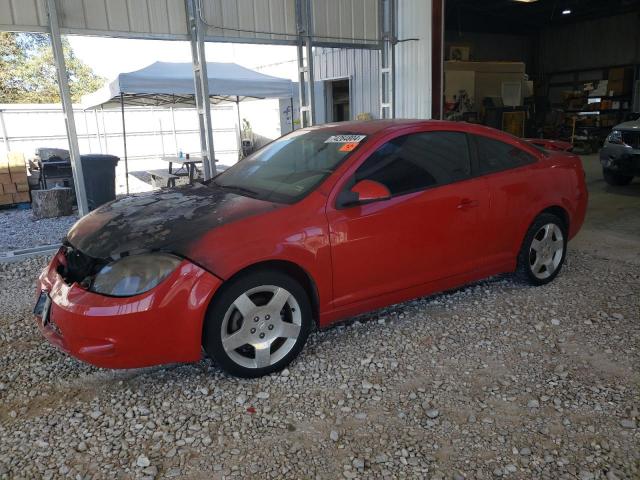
<point x="546" y="251"/>
<point x="261" y="326"/>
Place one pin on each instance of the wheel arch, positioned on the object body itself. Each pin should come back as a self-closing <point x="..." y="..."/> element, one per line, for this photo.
<point x="556" y="210"/>
<point x="292" y="269"/>
<point x="559" y="212"/>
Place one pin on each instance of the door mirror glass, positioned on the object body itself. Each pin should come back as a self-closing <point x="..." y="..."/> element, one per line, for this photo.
<point x="365" y="191"/>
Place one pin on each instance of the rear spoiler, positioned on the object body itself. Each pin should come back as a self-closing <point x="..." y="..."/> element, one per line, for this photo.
<point x="552" y="145"/>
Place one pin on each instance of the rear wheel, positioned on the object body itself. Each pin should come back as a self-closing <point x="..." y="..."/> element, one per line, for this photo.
<point x="543" y="250"/>
<point x="616" y="179"/>
<point x="258" y="324"/>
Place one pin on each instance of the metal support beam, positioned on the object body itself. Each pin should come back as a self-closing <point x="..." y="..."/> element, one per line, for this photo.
<point x="124" y="143"/>
<point x="67" y="107"/>
<point x="387" y="21"/>
<point x="201" y="80"/>
<point x="305" y="63"/>
<point x="240" y="151"/>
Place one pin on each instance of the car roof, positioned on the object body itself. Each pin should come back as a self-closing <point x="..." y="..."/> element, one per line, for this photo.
<point x="371" y="127"/>
<point x="634" y="125"/>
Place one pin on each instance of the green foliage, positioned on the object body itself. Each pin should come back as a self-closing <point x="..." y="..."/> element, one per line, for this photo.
<point x="28" y="72"/>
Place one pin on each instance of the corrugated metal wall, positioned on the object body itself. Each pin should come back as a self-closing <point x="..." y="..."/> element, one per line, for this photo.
<point x="120" y="18"/>
<point x="351" y="20"/>
<point x="362" y="66"/>
<point x="278" y="16"/>
<point x="591" y="44"/>
<point x="413" y="59"/>
<point x="335" y="21"/>
<point x="413" y="66"/>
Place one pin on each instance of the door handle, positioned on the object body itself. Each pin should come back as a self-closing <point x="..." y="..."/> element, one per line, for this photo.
<point x="467" y="203"/>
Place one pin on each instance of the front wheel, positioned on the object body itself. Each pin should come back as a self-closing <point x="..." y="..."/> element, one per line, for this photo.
<point x="543" y="250"/>
<point x="258" y="324"/>
<point x="616" y="179"/>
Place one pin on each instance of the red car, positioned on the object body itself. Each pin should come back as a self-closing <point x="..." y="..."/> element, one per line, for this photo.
<point x="322" y="224"/>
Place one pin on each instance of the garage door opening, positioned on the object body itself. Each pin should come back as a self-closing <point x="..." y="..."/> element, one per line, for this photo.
<point x="338" y="97"/>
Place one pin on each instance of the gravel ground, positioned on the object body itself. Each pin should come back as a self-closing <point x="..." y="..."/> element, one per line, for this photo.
<point x="18" y="229"/>
<point x="495" y="380"/>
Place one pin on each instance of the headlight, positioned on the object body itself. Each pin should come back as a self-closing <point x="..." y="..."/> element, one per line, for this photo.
<point x="133" y="275"/>
<point x="615" y="137"/>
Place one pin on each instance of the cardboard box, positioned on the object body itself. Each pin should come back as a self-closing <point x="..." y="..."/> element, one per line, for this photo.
<point x="6" y="199"/>
<point x="9" y="188"/>
<point x="21" y="197"/>
<point x="18" y="177"/>
<point x="620" y="73"/>
<point x="619" y="87"/>
<point x="5" y="178"/>
<point x="22" y="187"/>
<point x="1" y="189"/>
<point x="4" y="165"/>
<point x="620" y="80"/>
<point x="16" y="162"/>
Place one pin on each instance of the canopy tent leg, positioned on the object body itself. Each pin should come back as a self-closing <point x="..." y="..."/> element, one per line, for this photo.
<point x="67" y="108"/>
<point x="124" y="143"/>
<point x="104" y="130"/>
<point x="240" y="151"/>
<point x="201" y="80"/>
<point x="292" y="124"/>
<point x="305" y="63"/>
<point x="175" y="134"/>
<point x="98" y="138"/>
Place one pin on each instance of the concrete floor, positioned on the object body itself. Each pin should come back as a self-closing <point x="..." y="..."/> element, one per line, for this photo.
<point x="612" y="225"/>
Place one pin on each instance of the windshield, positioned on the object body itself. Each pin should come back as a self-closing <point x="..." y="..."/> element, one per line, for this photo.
<point x="289" y="168"/>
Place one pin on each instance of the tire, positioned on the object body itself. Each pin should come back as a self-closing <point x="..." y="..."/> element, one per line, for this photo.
<point x="616" y="179"/>
<point x="243" y="316"/>
<point x="543" y="251"/>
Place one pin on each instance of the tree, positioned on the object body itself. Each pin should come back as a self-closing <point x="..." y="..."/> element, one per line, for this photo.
<point x="28" y="72"/>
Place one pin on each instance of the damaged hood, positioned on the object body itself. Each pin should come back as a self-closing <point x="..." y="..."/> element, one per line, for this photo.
<point x="168" y="220"/>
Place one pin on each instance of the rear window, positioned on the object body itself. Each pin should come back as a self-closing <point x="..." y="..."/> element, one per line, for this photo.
<point x="495" y="156"/>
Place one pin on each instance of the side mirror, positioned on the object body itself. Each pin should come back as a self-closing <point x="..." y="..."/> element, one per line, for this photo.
<point x="365" y="191"/>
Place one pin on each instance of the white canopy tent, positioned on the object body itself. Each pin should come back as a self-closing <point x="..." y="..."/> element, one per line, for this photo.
<point x="171" y="84"/>
<point x="166" y="83"/>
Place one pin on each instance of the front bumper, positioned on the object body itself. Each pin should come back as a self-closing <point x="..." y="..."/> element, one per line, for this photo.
<point x="163" y="325"/>
<point x="625" y="162"/>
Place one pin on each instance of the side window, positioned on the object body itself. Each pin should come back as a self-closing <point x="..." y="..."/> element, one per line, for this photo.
<point x="418" y="161"/>
<point x="494" y="155"/>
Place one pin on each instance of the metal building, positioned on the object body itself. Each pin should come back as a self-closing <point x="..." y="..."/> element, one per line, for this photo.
<point x="394" y="42"/>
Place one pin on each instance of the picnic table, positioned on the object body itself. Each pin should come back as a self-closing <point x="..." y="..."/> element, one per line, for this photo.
<point x="186" y="166"/>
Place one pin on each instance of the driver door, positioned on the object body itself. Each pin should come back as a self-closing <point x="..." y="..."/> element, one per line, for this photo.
<point x="426" y="231"/>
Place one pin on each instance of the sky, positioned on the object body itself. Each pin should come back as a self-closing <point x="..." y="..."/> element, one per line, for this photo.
<point x="110" y="56"/>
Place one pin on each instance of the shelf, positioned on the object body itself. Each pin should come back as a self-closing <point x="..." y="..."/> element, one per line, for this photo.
<point x="627" y="96"/>
<point x="598" y="112"/>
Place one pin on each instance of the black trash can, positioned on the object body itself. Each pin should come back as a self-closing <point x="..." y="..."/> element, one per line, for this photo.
<point x="99" y="172"/>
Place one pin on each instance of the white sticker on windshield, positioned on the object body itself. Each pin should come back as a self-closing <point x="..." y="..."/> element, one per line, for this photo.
<point x="345" y="139"/>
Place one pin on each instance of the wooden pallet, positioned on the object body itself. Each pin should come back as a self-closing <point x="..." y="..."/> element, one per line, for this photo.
<point x="17" y="206"/>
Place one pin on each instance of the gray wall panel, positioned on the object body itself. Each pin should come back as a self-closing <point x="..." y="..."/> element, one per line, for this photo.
<point x="413" y="60"/>
<point x="361" y="66"/>
<point x="335" y="21"/>
<point x="596" y="43"/>
<point x="96" y="13"/>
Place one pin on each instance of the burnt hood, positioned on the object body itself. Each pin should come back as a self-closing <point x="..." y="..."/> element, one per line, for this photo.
<point x="167" y="220"/>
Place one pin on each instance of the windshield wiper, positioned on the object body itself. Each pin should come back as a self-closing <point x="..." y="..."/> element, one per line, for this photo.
<point x="238" y="188"/>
